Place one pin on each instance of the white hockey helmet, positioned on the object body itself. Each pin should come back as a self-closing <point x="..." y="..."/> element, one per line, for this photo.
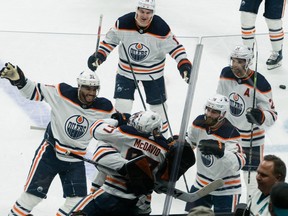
<point x="220" y="103"/>
<point x="146" y="121"/>
<point x="243" y="52"/>
<point x="88" y="78"/>
<point x="146" y="4"/>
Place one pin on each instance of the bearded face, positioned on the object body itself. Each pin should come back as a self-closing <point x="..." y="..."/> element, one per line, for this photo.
<point x="211" y="116"/>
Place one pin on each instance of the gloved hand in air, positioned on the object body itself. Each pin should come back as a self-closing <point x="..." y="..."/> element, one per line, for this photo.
<point x="212" y="147"/>
<point x="95" y="60"/>
<point x="185" y="67"/>
<point x="255" y="116"/>
<point x="14" y="74"/>
<point x="122" y="118"/>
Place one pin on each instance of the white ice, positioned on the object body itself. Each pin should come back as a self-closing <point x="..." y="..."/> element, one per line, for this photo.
<point x="51" y="41"/>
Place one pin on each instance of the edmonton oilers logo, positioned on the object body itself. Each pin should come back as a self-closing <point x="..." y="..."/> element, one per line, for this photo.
<point x="237" y="104"/>
<point x="207" y="160"/>
<point x="76" y="126"/>
<point x="138" y="51"/>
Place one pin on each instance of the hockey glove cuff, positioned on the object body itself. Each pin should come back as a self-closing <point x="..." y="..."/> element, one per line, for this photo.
<point x="185" y="67"/>
<point x="95" y="61"/>
<point x="212" y="147"/>
<point x="14" y="74"/>
<point x="255" y="116"/>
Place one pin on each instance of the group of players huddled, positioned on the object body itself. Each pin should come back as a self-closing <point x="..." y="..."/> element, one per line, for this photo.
<point x="135" y="150"/>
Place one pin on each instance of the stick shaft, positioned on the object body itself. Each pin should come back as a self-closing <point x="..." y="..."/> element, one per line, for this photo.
<point x="98" y="34"/>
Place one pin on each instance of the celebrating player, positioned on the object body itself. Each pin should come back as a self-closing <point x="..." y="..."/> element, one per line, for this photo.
<point x="219" y="155"/>
<point x="73" y="110"/>
<point x="140" y="137"/>
<point x="144" y="39"/>
<point x="251" y="104"/>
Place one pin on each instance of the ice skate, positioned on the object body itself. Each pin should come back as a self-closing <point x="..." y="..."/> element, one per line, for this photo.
<point x="275" y="60"/>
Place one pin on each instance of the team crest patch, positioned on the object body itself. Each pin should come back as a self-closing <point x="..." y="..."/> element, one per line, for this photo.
<point x="207" y="160"/>
<point x="138" y="52"/>
<point x="76" y="126"/>
<point x="237" y="104"/>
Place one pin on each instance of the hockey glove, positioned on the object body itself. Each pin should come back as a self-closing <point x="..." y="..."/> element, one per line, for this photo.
<point x="185" y="67"/>
<point x="122" y="118"/>
<point x="212" y="147"/>
<point x="140" y="177"/>
<point x="255" y="116"/>
<point x="14" y="74"/>
<point x="187" y="159"/>
<point x="95" y="61"/>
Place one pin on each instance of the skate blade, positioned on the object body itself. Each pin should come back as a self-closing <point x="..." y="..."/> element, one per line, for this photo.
<point x="270" y="67"/>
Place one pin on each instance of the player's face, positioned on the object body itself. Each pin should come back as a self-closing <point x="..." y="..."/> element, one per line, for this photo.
<point x="212" y="116"/>
<point x="265" y="176"/>
<point x="238" y="67"/>
<point x="143" y="17"/>
<point x="87" y="94"/>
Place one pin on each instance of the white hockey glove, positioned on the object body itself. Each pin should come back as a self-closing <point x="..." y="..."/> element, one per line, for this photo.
<point x="14" y="74"/>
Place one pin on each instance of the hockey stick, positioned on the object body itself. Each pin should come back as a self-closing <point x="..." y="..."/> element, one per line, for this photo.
<point x="253" y="106"/>
<point x="98" y="40"/>
<point x="102" y="167"/>
<point x="110" y="170"/>
<point x="33" y="127"/>
<point x="98" y="34"/>
<point x="190" y="197"/>
<point x="134" y="77"/>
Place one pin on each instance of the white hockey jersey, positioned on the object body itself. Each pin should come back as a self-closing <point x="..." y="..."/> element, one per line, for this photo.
<point x="146" y="48"/>
<point x="127" y="141"/>
<point x="240" y="93"/>
<point x="70" y="119"/>
<point x="210" y="167"/>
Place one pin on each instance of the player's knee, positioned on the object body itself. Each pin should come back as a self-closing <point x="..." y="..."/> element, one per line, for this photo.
<point x="70" y="202"/>
<point x="248" y="19"/>
<point x="158" y="108"/>
<point x="274" y="24"/>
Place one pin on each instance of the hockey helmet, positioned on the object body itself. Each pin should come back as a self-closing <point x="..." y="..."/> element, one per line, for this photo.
<point x="146" y="4"/>
<point x="146" y="121"/>
<point x="243" y="52"/>
<point x="220" y="103"/>
<point x="88" y="78"/>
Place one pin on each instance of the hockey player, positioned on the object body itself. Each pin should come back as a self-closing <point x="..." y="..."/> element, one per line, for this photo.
<point x="274" y="12"/>
<point x="219" y="155"/>
<point x="147" y="38"/>
<point x="237" y="83"/>
<point x="73" y="110"/>
<point x="118" y="144"/>
<point x="141" y="136"/>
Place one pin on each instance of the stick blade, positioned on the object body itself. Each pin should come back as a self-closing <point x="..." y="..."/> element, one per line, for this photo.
<point x="206" y="190"/>
<point x="191" y="197"/>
